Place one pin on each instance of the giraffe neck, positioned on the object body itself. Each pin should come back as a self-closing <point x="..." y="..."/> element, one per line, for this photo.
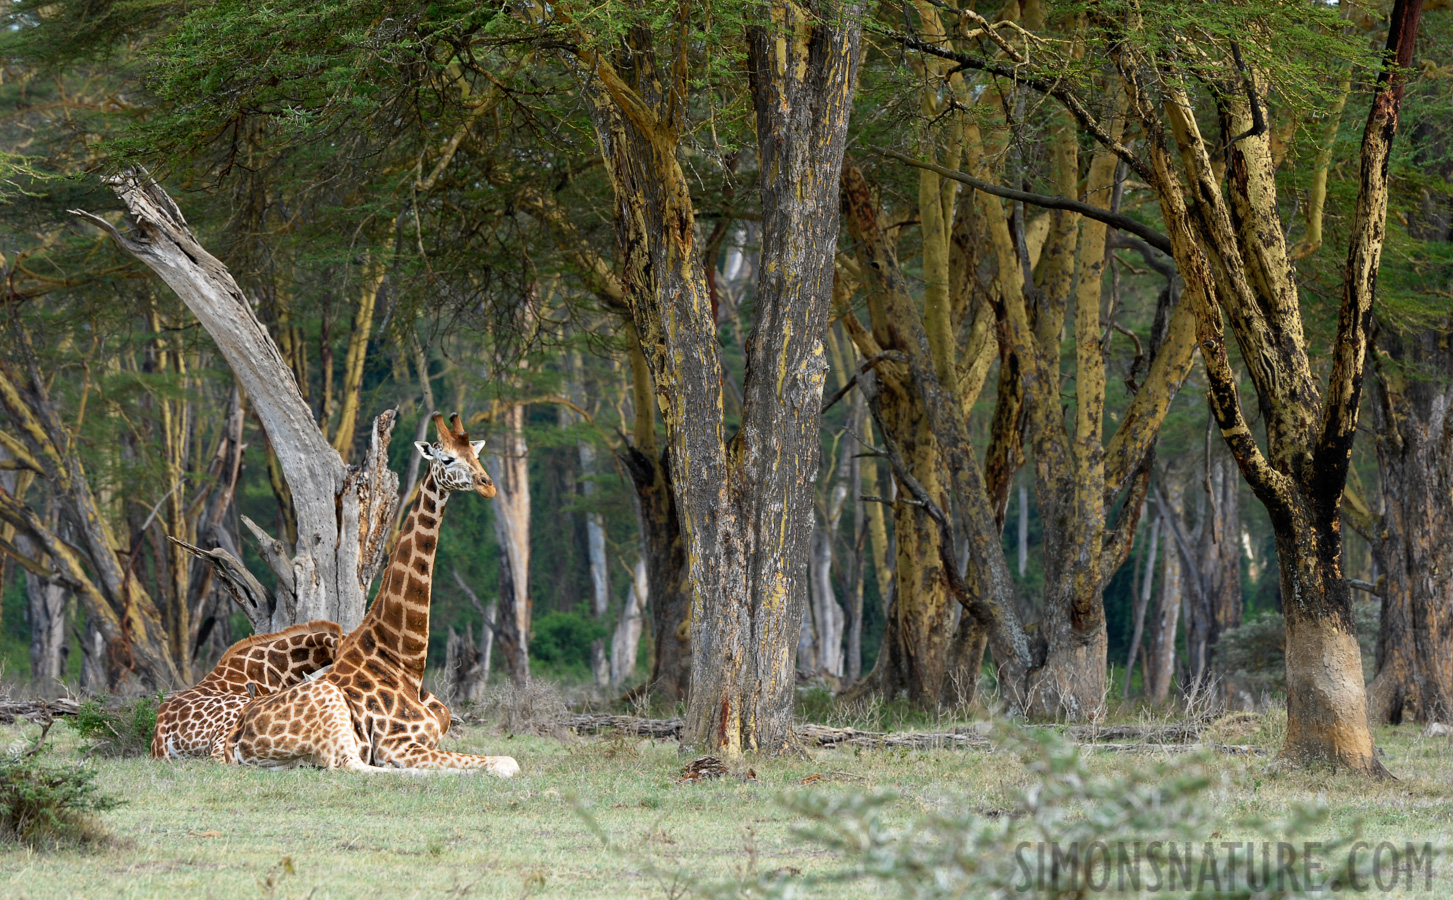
<point x="399" y="617"/>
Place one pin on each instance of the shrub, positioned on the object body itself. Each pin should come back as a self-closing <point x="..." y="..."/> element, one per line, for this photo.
<point x="985" y="851"/>
<point x="561" y="640"/>
<point x="42" y="805"/>
<point x="124" y="730"/>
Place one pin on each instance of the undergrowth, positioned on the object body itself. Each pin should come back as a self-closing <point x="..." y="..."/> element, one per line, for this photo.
<point x="44" y="806"/>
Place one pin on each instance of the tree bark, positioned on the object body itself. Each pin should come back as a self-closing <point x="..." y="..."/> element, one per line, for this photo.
<point x="627" y="637"/>
<point x="1412" y="410"/>
<point x="512" y="529"/>
<point x="344" y="516"/>
<point x="745" y="507"/>
<point x="1160" y="663"/>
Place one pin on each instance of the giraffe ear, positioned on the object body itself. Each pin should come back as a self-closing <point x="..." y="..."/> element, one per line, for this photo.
<point x="424" y="449"/>
<point x="478" y="447"/>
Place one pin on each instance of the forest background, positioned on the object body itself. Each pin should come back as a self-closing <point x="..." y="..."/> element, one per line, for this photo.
<point x="413" y="197"/>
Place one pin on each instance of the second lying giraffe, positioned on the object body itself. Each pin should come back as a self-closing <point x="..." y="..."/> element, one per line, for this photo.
<point x="190" y="723"/>
<point x="366" y="713"/>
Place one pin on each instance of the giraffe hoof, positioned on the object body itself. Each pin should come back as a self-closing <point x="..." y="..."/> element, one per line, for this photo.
<point x="504" y="767"/>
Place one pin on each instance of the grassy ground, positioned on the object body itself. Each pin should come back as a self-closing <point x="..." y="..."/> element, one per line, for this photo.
<point x="203" y="830"/>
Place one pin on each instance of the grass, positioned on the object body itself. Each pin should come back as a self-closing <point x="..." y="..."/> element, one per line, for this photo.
<point x="197" y="829"/>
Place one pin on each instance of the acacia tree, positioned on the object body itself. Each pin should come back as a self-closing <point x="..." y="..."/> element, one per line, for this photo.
<point x="1090" y="488"/>
<point x="1229" y="244"/>
<point x="745" y="504"/>
<point x="344" y="516"/>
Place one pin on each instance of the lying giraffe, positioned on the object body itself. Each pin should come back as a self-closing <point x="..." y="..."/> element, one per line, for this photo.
<point x="188" y="724"/>
<point x="366" y="713"/>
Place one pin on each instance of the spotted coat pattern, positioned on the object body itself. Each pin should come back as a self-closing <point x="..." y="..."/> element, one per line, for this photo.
<point x="189" y="723"/>
<point x="369" y="712"/>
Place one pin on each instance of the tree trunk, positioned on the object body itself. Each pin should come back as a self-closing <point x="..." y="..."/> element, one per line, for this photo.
<point x="48" y="602"/>
<point x="512" y="530"/>
<point x="857" y="554"/>
<point x="627" y="636"/>
<point x="344" y="516"/>
<point x="1413" y="538"/>
<point x="745" y="509"/>
<point x="1160" y="663"/>
<point x="1326" y="701"/>
<point x="1142" y="601"/>
<point x="749" y="594"/>
<point x="666" y="575"/>
<point x="1219" y="563"/>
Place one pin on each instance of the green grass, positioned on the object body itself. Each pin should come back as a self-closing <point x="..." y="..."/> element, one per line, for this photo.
<point x="198" y="829"/>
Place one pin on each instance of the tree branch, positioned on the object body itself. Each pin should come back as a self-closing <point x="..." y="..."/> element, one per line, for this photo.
<point x="1333" y="451"/>
<point x="1115" y="220"/>
<point x="1053" y="89"/>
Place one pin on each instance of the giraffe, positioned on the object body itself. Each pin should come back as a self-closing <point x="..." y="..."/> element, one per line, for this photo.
<point x="366" y="713"/>
<point x="189" y="723"/>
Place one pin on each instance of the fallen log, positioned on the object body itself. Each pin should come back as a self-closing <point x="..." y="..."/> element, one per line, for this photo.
<point x="36" y="710"/>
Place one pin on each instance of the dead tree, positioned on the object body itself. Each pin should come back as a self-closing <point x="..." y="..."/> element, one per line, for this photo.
<point x="344" y="514"/>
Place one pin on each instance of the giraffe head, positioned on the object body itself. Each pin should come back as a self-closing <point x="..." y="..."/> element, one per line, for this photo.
<point x="454" y="459"/>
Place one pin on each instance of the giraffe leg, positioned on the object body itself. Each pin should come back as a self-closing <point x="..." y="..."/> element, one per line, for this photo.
<point x="413" y="755"/>
<point x="307" y="724"/>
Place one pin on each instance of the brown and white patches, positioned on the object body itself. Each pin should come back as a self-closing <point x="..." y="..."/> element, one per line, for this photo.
<point x="189" y="724"/>
<point x="369" y="711"/>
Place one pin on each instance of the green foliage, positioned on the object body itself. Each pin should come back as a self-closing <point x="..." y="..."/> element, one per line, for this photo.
<point x="993" y="851"/>
<point x="124" y="730"/>
<point x="42" y="805"/>
<point x="561" y="640"/>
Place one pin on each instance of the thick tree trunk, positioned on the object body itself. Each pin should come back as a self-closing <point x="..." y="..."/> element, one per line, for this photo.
<point x="802" y="76"/>
<point x="1326" y="701"/>
<point x="344" y="517"/>
<point x="512" y="529"/>
<point x="1413" y="539"/>
<point x="745" y="508"/>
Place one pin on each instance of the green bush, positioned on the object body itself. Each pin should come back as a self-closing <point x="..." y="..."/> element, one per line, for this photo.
<point x="42" y="805"/>
<point x="987" y="851"/>
<point x="561" y="640"/>
<point x="124" y="730"/>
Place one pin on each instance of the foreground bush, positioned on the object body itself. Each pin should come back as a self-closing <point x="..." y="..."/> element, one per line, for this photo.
<point x="42" y="806"/>
<point x="1074" y="832"/>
